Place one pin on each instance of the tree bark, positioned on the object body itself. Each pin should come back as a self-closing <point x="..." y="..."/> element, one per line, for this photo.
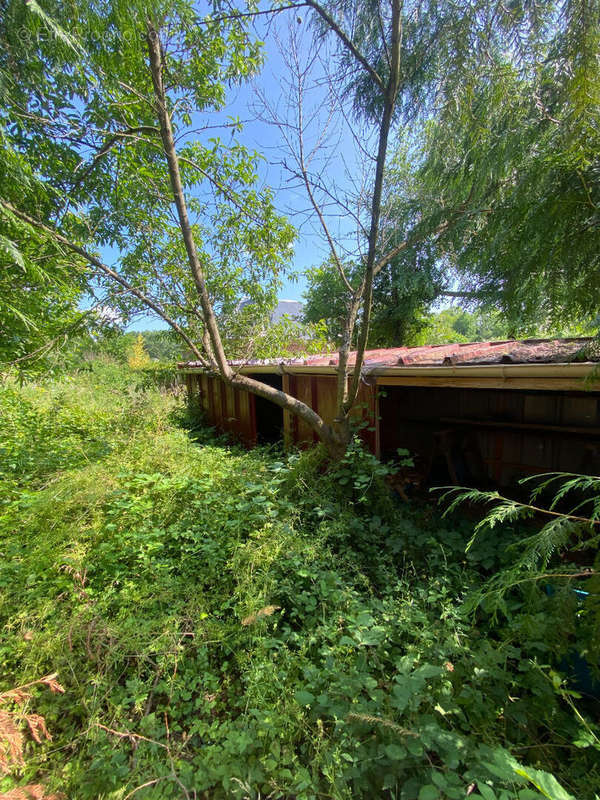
<point x="166" y="132"/>
<point x="214" y="347"/>
<point x="391" y="93"/>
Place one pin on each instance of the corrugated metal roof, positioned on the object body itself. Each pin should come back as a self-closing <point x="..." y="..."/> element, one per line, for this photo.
<point x="513" y="351"/>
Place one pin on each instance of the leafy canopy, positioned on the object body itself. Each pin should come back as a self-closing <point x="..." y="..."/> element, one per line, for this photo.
<point x="496" y="140"/>
<point x="514" y="143"/>
<point x="79" y="116"/>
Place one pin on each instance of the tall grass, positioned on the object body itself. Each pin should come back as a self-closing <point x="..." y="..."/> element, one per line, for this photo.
<point x="240" y="624"/>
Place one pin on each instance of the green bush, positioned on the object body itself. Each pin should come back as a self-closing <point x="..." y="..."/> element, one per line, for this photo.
<point x="244" y="624"/>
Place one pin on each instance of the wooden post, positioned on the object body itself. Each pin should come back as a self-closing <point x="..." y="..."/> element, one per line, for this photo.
<point x="288" y="428"/>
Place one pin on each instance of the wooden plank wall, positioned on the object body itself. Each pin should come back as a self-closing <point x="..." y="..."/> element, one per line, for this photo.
<point x="290" y="431"/>
<point x="223" y="407"/>
<point x="233" y="411"/>
<point x="513" y="433"/>
<point x="506" y="433"/>
<point x="319" y="391"/>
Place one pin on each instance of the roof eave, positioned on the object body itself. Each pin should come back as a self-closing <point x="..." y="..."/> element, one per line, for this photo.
<point x="540" y="370"/>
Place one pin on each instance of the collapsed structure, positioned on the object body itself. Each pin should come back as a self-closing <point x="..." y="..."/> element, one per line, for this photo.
<point x="482" y="412"/>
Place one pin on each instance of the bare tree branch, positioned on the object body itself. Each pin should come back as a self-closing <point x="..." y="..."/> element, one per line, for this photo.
<point x="391" y="93"/>
<point x="300" y="75"/>
<point x="251" y="14"/>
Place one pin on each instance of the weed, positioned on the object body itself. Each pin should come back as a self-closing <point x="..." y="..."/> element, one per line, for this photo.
<point x="240" y="624"/>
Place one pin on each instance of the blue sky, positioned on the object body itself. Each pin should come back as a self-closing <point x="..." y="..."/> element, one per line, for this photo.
<point x="245" y="104"/>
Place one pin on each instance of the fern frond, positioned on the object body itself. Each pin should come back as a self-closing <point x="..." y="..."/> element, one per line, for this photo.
<point x="534" y="553"/>
<point x="537" y="550"/>
<point x="457" y="495"/>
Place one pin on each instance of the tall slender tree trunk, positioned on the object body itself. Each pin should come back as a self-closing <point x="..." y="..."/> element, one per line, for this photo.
<point x="215" y="350"/>
<point x="336" y="436"/>
<point x="390" y="95"/>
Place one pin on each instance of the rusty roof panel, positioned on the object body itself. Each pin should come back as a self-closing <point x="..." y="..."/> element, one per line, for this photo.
<point x="514" y="351"/>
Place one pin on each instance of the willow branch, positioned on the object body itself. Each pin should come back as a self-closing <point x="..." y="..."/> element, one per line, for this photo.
<point x="346" y="41"/>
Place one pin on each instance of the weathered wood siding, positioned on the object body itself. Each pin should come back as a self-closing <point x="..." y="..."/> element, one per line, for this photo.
<point x="494" y="436"/>
<point x="319" y="391"/>
<point x="466" y="435"/>
<point x="235" y="411"/>
<point x="228" y="410"/>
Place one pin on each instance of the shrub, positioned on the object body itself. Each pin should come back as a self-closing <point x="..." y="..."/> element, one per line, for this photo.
<point x="244" y="624"/>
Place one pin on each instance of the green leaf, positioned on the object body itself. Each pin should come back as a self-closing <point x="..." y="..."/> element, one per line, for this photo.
<point x="304" y="698"/>
<point x="429" y="792"/>
<point x="395" y="752"/>
<point x="10" y="249"/>
<point x="543" y="782"/>
<point x="486" y="791"/>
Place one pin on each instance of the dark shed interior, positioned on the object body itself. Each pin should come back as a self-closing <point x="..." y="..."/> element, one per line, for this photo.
<point x="483" y="437"/>
<point x="269" y="417"/>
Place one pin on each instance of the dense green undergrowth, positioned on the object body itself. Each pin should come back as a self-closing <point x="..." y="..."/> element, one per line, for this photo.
<point x="242" y="624"/>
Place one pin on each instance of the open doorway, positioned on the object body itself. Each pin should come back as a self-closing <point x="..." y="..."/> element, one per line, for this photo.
<point x="269" y="417"/>
<point x="428" y="422"/>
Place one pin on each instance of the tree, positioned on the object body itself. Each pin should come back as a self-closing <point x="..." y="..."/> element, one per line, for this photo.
<point x="285" y="337"/>
<point x="161" y="345"/>
<point x="139" y="115"/>
<point x="138" y="357"/>
<point x="139" y="134"/>
<point x="41" y="283"/>
<point x="457" y="325"/>
<point x="518" y="138"/>
<point x="40" y="287"/>
<point x="424" y="209"/>
<point x="400" y="302"/>
<point x="69" y="112"/>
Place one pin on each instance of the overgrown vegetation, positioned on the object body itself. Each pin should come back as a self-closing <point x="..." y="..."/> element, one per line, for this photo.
<point x="242" y="624"/>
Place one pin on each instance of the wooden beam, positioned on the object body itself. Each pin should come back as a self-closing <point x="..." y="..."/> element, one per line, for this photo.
<point x="288" y="425"/>
<point x="377" y="423"/>
<point x="529" y="384"/>
<point x="314" y="402"/>
<point x="522" y="426"/>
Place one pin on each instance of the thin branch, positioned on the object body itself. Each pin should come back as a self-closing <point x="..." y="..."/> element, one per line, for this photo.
<point x="118" y="135"/>
<point x="443" y="227"/>
<point x="130" y="736"/>
<point x="348" y="43"/>
<point x="245" y="14"/>
<point x="459" y="294"/>
<point x="406" y="243"/>
<point x="63" y="335"/>
<point x="145" y="785"/>
<point x="226" y="192"/>
<point x="304" y="173"/>
<point x="104" y="268"/>
<point x="540" y="510"/>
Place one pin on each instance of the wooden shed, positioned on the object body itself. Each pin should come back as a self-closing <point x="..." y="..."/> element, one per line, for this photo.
<point x="483" y="412"/>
